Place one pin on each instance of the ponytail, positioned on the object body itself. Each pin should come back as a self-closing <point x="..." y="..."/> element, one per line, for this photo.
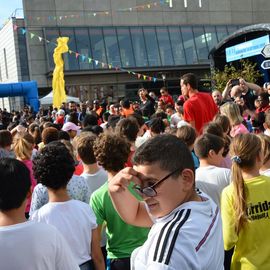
<point x="240" y="204"/>
<point x="244" y="150"/>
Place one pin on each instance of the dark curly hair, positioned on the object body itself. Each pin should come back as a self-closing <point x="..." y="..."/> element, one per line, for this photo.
<point x="54" y="166"/>
<point x="111" y="151"/>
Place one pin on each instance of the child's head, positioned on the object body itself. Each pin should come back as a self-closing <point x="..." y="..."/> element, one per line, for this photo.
<point x="265" y="141"/>
<point x="49" y="134"/>
<point x="209" y="147"/>
<point x="84" y="147"/>
<point x="187" y="134"/>
<point x="232" y="111"/>
<point x="128" y="128"/>
<point x="5" y="139"/>
<point x="111" y="151"/>
<point x="223" y="121"/>
<point x="15" y="183"/>
<point x="266" y="123"/>
<point x="213" y="128"/>
<point x="23" y="146"/>
<point x="245" y="150"/>
<point x="54" y="166"/>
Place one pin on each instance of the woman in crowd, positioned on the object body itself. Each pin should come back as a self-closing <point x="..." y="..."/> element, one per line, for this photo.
<point x="23" y="148"/>
<point x="245" y="206"/>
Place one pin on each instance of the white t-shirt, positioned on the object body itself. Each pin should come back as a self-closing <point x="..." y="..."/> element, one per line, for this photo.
<point x="77" y="189"/>
<point x="212" y="180"/>
<point x="190" y="237"/>
<point x="266" y="172"/>
<point x="34" y="247"/>
<point x="96" y="180"/>
<point x="175" y="118"/>
<point x="75" y="220"/>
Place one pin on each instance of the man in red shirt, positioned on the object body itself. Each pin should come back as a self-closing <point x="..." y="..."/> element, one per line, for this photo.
<point x="200" y="108"/>
<point x="165" y="97"/>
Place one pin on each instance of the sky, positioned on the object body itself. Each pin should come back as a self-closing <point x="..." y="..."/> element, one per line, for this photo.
<point x="7" y="7"/>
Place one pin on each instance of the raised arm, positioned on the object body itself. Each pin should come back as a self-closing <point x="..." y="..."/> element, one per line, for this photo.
<point x="226" y="91"/>
<point x="256" y="88"/>
<point x="128" y="207"/>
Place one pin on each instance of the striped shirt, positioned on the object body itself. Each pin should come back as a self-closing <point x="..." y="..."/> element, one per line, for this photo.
<point x="190" y="237"/>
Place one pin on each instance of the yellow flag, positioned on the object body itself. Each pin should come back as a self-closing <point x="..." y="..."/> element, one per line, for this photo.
<point x="58" y="83"/>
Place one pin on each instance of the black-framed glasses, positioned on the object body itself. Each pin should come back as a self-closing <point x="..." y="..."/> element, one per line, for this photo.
<point x="150" y="191"/>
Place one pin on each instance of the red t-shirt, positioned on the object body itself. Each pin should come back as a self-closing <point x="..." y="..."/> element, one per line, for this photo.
<point x="167" y="99"/>
<point x="200" y="108"/>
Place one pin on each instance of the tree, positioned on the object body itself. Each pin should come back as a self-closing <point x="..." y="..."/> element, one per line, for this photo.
<point x="248" y="71"/>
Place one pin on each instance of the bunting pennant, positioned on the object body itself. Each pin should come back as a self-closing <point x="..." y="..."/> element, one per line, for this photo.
<point x="84" y="57"/>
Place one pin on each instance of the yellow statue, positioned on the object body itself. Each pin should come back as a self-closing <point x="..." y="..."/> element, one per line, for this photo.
<point x="58" y="83"/>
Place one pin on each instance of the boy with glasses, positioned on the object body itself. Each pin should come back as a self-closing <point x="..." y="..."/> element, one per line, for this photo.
<point x="186" y="227"/>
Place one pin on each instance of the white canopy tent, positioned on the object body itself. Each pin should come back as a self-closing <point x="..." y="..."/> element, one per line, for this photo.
<point x="48" y="100"/>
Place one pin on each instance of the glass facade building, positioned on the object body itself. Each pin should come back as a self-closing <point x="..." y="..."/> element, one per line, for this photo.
<point x="137" y="46"/>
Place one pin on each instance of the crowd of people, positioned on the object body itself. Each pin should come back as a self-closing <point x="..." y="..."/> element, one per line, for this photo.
<point x="159" y="184"/>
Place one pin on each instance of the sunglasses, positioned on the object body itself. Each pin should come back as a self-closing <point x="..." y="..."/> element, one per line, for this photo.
<point x="151" y="191"/>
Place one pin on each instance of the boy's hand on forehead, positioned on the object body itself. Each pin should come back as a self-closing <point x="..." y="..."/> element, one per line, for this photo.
<point x="122" y="179"/>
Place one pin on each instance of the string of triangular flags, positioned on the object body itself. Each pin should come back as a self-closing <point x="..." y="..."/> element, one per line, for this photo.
<point x="100" y="13"/>
<point x="85" y="58"/>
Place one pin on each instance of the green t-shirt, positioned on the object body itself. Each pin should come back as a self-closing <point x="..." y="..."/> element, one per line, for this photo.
<point x="122" y="238"/>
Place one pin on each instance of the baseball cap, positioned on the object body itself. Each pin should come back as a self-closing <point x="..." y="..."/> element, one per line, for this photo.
<point x="61" y="112"/>
<point x="70" y="126"/>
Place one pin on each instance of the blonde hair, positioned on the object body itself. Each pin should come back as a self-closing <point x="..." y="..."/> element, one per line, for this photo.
<point x="244" y="151"/>
<point x="265" y="141"/>
<point x="232" y="111"/>
<point x="23" y="146"/>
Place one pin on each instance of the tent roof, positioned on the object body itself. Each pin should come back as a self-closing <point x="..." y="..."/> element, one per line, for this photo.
<point x="48" y="99"/>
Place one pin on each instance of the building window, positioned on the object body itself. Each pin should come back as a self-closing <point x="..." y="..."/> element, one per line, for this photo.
<point x="125" y="46"/>
<point x="189" y="46"/>
<point x="210" y="36"/>
<point x="71" y="62"/>
<point x="152" y="46"/>
<point x="164" y="46"/>
<point x="84" y="48"/>
<point x="221" y="32"/>
<point x="5" y="59"/>
<point x="51" y="34"/>
<point x="98" y="46"/>
<point x="201" y="45"/>
<point x="111" y="46"/>
<point x="139" y="47"/>
<point x="177" y="45"/>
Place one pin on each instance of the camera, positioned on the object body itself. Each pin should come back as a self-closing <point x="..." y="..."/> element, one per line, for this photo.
<point x="235" y="82"/>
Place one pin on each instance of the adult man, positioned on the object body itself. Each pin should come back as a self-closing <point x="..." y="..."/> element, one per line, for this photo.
<point x="186" y="228"/>
<point x="217" y="97"/>
<point x="147" y="105"/>
<point x="200" y="108"/>
<point x="248" y="91"/>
